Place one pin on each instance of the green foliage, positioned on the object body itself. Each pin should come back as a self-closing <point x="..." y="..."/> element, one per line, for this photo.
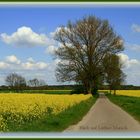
<point x="94" y="91"/>
<point x="78" y="89"/>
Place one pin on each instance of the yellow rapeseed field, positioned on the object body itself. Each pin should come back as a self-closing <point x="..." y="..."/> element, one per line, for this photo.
<point x="134" y="93"/>
<point x="20" y="108"/>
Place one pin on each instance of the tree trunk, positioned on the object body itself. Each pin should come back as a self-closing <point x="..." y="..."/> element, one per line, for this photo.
<point x="85" y="87"/>
<point x="114" y="92"/>
<point x="95" y="89"/>
<point x="89" y="90"/>
<point x="86" y="90"/>
<point x="110" y="88"/>
<point x="90" y="87"/>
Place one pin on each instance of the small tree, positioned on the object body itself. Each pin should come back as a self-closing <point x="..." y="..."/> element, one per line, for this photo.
<point x="114" y="75"/>
<point x="33" y="82"/>
<point x="15" y="81"/>
<point x="36" y="82"/>
<point x="42" y="82"/>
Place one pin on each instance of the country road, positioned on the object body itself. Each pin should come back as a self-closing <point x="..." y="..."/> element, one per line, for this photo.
<point x="106" y="116"/>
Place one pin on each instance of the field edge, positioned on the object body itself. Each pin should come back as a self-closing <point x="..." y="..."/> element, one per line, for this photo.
<point x="58" y="123"/>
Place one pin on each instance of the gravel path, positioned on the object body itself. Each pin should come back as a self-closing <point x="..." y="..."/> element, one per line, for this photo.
<point x="106" y="116"/>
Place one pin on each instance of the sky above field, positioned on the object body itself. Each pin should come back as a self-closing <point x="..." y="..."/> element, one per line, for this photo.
<point x="27" y="45"/>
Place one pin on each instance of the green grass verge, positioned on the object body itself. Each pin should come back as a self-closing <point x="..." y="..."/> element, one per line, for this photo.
<point x="54" y="123"/>
<point x="129" y="104"/>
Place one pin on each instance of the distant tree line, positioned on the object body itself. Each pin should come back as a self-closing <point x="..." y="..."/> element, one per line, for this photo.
<point x="17" y="82"/>
<point x="71" y="87"/>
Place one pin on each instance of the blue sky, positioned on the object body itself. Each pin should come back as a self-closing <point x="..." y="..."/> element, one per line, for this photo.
<point x="17" y="52"/>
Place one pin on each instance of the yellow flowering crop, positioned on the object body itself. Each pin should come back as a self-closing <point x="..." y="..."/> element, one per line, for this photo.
<point x="134" y="93"/>
<point x="20" y="108"/>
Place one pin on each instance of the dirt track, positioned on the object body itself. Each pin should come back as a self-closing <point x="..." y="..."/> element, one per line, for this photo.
<point x="106" y="116"/>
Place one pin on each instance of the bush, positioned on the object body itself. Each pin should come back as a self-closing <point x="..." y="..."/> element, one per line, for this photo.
<point x="78" y="89"/>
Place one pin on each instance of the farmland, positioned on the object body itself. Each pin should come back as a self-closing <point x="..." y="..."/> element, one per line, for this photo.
<point x="132" y="93"/>
<point x="39" y="91"/>
<point x="17" y="111"/>
<point x="54" y="110"/>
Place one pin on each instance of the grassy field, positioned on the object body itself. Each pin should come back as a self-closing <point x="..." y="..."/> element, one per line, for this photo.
<point x="39" y="91"/>
<point x="41" y="112"/>
<point x="129" y="104"/>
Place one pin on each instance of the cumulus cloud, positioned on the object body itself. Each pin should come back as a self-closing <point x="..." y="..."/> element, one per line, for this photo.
<point x="50" y="49"/>
<point x="131" y="69"/>
<point x="135" y="28"/>
<point x="30" y="59"/>
<point x="3" y="65"/>
<point x="25" y="36"/>
<point x="28" y="68"/>
<point x="33" y="65"/>
<point x="127" y="62"/>
<point x="12" y="59"/>
<point x="52" y="34"/>
<point x="47" y="74"/>
<point x="13" y="63"/>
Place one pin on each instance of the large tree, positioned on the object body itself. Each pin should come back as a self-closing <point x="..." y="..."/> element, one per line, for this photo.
<point x="84" y="45"/>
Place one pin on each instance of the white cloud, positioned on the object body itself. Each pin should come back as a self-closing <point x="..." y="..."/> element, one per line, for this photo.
<point x="25" y="36"/>
<point x="47" y="74"/>
<point x="12" y="59"/>
<point x="13" y="63"/>
<point x="3" y="65"/>
<point x="30" y="68"/>
<point x="135" y="28"/>
<point x="30" y="59"/>
<point x="33" y="66"/>
<point x="41" y="65"/>
<point x="123" y="57"/>
<point x="52" y="34"/>
<point x="28" y="65"/>
<point x="133" y="47"/>
<point x="56" y="61"/>
<point x="131" y="69"/>
<point x="50" y="49"/>
<point x="127" y="62"/>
